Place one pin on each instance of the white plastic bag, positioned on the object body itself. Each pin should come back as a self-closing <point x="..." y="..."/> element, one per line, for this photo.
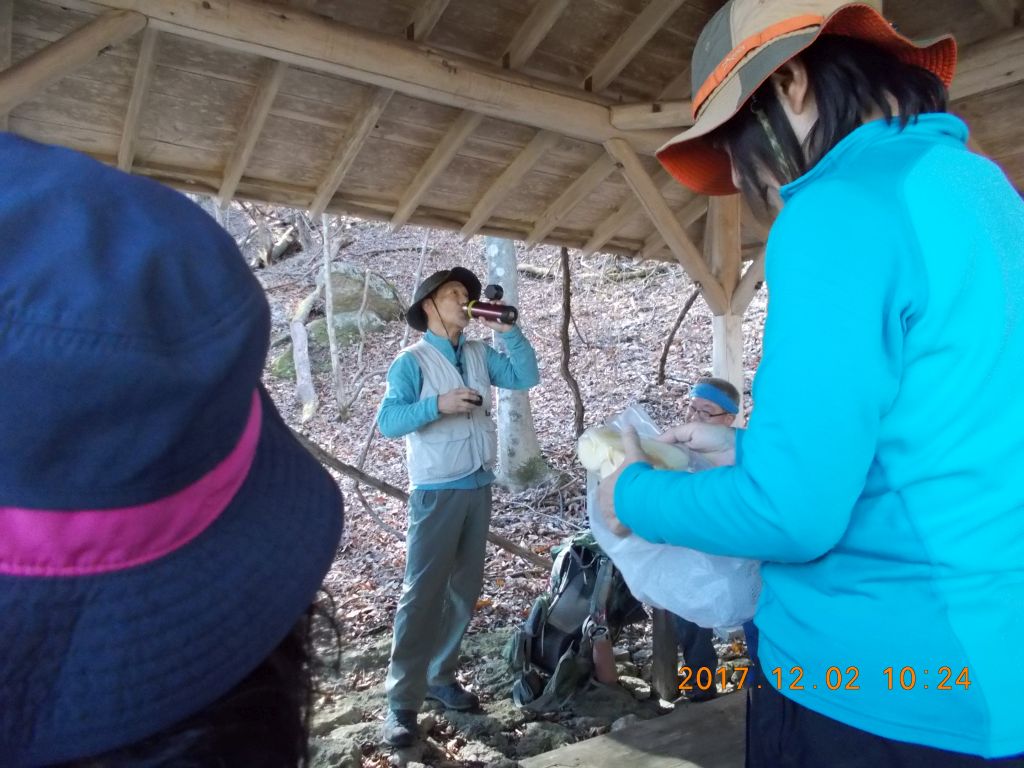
<point x="709" y="590"/>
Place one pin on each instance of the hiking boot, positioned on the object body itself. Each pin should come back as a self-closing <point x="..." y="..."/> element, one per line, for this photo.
<point x="400" y="729"/>
<point x="453" y="696"/>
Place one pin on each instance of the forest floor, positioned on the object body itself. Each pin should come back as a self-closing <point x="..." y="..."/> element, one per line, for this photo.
<point x="622" y="312"/>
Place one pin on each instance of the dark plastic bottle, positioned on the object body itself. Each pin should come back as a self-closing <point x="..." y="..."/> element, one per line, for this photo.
<point x="499" y="313"/>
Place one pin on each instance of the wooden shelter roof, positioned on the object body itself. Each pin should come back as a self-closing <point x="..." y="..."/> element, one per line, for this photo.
<point x="532" y="119"/>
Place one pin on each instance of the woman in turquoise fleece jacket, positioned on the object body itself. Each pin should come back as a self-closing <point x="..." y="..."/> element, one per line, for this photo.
<point x="892" y="528"/>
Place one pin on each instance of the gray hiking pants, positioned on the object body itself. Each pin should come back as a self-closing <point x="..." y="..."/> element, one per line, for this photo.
<point x="444" y="570"/>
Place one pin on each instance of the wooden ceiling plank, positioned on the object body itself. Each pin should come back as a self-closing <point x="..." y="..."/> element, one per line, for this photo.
<point x="425" y="18"/>
<point x="654" y="114"/>
<point x="304" y="39"/>
<point x="678" y="87"/>
<point x="536" y="27"/>
<point x="69" y="54"/>
<point x="249" y="133"/>
<point x="439" y="159"/>
<point x="6" y="33"/>
<point x="688" y="216"/>
<point x="1005" y="12"/>
<point x="643" y="28"/>
<point x="994" y="63"/>
<point x="508" y="179"/>
<point x="579" y="189"/>
<point x="140" y="84"/>
<point x="610" y="227"/>
<point x="671" y="230"/>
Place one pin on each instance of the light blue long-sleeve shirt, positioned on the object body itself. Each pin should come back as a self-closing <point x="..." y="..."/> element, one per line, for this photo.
<point x="881" y="474"/>
<point x="402" y="411"/>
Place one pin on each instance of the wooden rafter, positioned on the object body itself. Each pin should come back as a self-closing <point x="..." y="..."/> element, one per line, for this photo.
<point x="508" y="179"/>
<point x="439" y="159"/>
<point x="654" y="204"/>
<point x="6" y="32"/>
<point x="533" y="30"/>
<point x="305" y="39"/>
<point x="993" y="63"/>
<point x="422" y="24"/>
<point x="69" y="54"/>
<point x="425" y="19"/>
<point x="252" y="125"/>
<point x="1006" y="13"/>
<point x="579" y="189"/>
<point x="608" y="228"/>
<point x="536" y="27"/>
<point x="140" y="84"/>
<point x="689" y="215"/>
<point x="678" y="87"/>
<point x="643" y="28"/>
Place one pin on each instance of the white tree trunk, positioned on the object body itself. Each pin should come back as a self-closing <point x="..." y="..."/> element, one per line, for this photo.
<point x="520" y="462"/>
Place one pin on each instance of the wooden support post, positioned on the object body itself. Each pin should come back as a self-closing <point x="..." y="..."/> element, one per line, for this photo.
<point x="252" y="125"/>
<point x="665" y="655"/>
<point x="511" y="176"/>
<point x="140" y="84"/>
<point x="439" y="159"/>
<point x="643" y="28"/>
<point x="69" y="54"/>
<point x="722" y="249"/>
<point x="748" y="285"/>
<point x="579" y="189"/>
<point x="6" y="33"/>
<point x="677" y="240"/>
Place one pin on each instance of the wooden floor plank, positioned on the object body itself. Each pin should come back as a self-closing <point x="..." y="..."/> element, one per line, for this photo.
<point x="708" y="735"/>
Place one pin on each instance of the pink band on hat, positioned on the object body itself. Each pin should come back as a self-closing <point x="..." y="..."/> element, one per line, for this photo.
<point x="52" y="543"/>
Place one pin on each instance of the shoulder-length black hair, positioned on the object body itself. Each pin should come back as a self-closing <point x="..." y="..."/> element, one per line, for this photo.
<point x="849" y="78"/>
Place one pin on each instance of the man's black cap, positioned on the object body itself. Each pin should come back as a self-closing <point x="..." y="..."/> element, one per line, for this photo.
<point x="415" y="316"/>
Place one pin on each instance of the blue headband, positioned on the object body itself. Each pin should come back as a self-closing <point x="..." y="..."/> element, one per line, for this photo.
<point x="716" y="396"/>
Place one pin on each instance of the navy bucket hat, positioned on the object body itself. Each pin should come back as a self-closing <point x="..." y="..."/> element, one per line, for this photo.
<point x="416" y="316"/>
<point x="161" y="530"/>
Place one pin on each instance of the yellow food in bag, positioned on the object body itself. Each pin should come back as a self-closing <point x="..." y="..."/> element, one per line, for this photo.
<point x="600" y="450"/>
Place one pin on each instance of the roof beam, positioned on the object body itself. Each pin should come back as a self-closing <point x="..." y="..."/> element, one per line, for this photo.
<point x="654" y="114"/>
<point x="304" y="39"/>
<point x="69" y="54"/>
<point x="993" y="63"/>
<point x="362" y="125"/>
<point x="681" y="246"/>
<point x="1007" y="13"/>
<point x="140" y="84"/>
<point x="439" y="159"/>
<point x="536" y="27"/>
<point x="249" y="133"/>
<point x="633" y="39"/>
<point x="509" y="178"/>
<point x="689" y="215"/>
<point x="579" y="189"/>
<point x="6" y="33"/>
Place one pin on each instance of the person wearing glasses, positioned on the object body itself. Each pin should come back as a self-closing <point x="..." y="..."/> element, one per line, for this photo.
<point x="439" y="399"/>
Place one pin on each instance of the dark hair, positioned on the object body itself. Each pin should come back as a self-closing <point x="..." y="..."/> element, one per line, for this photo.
<point x="263" y="722"/>
<point x="848" y="78"/>
<point x="722" y="386"/>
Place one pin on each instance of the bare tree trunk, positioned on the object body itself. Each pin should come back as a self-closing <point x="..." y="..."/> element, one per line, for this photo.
<point x="672" y="334"/>
<point x="520" y="462"/>
<point x="570" y="380"/>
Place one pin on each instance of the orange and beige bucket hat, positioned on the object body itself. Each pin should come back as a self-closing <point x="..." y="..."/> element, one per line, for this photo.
<point x="745" y="42"/>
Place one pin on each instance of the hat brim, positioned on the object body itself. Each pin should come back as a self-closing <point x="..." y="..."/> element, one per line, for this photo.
<point x="103" y="661"/>
<point x="691" y="157"/>
<point x="415" y="315"/>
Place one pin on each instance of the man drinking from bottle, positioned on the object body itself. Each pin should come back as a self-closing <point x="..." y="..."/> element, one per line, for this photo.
<point x="439" y="398"/>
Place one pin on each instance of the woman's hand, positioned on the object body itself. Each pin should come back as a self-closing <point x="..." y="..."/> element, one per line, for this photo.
<point x="715" y="442"/>
<point x="606" y="490"/>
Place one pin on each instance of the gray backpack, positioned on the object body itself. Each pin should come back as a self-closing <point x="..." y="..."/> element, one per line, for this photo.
<point x="551" y="654"/>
